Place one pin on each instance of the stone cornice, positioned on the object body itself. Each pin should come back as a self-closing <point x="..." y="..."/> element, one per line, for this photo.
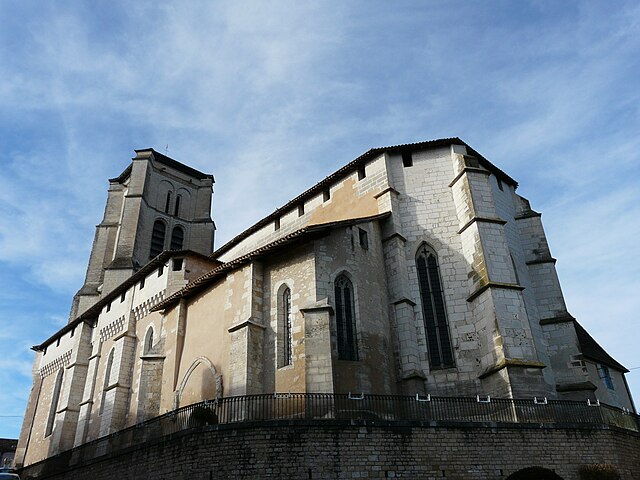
<point x="539" y="261"/>
<point x="527" y="214"/>
<point x="245" y="324"/>
<point x="404" y="300"/>
<point x="386" y="190"/>
<point x="395" y="235"/>
<point x="322" y="305"/>
<point x="486" y="286"/>
<point x="465" y="170"/>
<point x="565" y="317"/>
<point x="511" y="362"/>
<point x="499" y="221"/>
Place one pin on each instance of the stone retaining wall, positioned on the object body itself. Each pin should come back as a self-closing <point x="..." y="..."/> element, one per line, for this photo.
<point x="336" y="451"/>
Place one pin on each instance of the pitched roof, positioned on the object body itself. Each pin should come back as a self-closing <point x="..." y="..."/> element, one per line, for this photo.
<point x="593" y="351"/>
<point x="307" y="233"/>
<point x="93" y="311"/>
<point x="348" y="169"/>
<point x="165" y="160"/>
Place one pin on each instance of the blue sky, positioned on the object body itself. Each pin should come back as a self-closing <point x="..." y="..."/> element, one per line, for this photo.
<point x="273" y="96"/>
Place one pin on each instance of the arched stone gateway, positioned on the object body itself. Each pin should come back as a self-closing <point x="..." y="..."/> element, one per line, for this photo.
<point x="200" y="382"/>
<point x="534" y="473"/>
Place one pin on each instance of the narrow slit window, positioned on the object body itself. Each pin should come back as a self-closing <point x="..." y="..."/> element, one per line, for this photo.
<point x="148" y="341"/>
<point x="167" y="204"/>
<point x="407" y="159"/>
<point x="286" y="333"/>
<point x="276" y="223"/>
<point x="160" y="270"/>
<point x="142" y="283"/>
<point x="301" y="209"/>
<point x="361" y="173"/>
<point x="123" y="296"/>
<point x="434" y="310"/>
<point x="364" y="238"/>
<point x="345" y="320"/>
<point x="326" y="195"/>
<point x="177" y="264"/>
<point x="500" y="184"/>
<point x="176" y="209"/>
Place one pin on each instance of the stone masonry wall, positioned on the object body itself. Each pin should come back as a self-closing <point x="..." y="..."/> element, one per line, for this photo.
<point x="322" y="451"/>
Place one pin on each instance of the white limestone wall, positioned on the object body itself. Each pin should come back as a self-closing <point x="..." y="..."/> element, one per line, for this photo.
<point x="427" y="214"/>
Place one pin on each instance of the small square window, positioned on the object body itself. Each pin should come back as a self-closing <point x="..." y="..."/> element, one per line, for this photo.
<point x="122" y="296"/>
<point x="160" y="270"/>
<point x="364" y="238"/>
<point x="301" y="209"/>
<point x="142" y="283"/>
<point x="500" y="184"/>
<point x="326" y="195"/>
<point x="407" y="159"/>
<point x="177" y="264"/>
<point x="361" y="173"/>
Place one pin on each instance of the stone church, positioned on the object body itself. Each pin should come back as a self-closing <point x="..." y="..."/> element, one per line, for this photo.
<point x="413" y="269"/>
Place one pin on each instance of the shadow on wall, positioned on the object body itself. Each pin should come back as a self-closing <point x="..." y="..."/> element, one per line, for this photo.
<point x="534" y="473"/>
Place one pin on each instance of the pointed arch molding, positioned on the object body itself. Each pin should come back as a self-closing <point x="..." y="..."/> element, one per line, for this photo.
<point x="207" y="363"/>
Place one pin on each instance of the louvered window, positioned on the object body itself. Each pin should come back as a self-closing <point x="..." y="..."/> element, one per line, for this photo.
<point x="157" y="239"/>
<point x="345" y="320"/>
<point x="177" y="238"/>
<point x="434" y="310"/>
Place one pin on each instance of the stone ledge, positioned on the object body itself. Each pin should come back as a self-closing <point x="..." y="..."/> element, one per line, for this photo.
<point x="395" y="235"/>
<point x="470" y="170"/>
<point x="511" y="362"/>
<point x="85" y="402"/>
<point x="499" y="221"/>
<point x="527" y="214"/>
<point x="413" y="374"/>
<point x="116" y="385"/>
<point x="386" y="190"/>
<point x="152" y="356"/>
<point x="77" y="364"/>
<point x="541" y="260"/>
<point x="486" y="286"/>
<point x="574" y="387"/>
<point x="565" y="317"/>
<point x="403" y="300"/>
<point x="246" y="323"/>
<point x="322" y="305"/>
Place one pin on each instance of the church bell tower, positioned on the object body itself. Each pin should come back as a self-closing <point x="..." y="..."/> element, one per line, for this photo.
<point x="155" y="204"/>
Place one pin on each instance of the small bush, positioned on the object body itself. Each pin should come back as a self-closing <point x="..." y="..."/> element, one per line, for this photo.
<point x="598" y="471"/>
<point x="202" y="416"/>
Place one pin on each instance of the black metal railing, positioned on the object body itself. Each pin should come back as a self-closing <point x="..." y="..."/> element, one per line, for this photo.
<point x="372" y="409"/>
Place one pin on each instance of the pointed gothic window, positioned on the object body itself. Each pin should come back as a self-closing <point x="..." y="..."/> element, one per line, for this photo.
<point x="148" y="341"/>
<point x="177" y="238"/>
<point x="54" y="403"/>
<point x="434" y="309"/>
<point x="345" y="320"/>
<point x="157" y="239"/>
<point x="286" y="328"/>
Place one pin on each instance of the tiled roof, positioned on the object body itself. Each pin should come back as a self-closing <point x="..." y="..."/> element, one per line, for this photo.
<point x="165" y="160"/>
<point x="350" y="167"/>
<point x="593" y="351"/>
<point x="306" y="233"/>
<point x="93" y="311"/>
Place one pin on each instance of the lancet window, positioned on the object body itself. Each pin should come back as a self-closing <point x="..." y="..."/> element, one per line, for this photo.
<point x="345" y="319"/>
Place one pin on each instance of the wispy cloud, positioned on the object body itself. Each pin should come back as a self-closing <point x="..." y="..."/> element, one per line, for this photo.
<point x="271" y="97"/>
